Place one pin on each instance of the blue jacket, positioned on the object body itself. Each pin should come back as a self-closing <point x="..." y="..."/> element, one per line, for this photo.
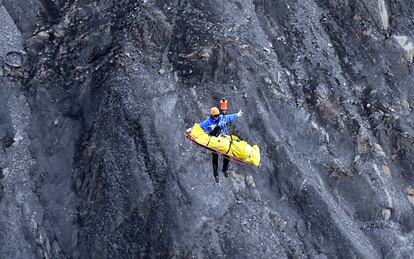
<point x="210" y="123"/>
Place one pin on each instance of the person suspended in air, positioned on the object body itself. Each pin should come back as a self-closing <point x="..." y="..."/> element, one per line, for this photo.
<point x="215" y="125"/>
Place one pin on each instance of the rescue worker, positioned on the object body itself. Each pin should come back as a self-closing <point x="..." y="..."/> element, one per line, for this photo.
<point x="215" y="125"/>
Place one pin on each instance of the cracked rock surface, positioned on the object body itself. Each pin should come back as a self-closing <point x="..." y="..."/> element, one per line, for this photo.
<point x="93" y="159"/>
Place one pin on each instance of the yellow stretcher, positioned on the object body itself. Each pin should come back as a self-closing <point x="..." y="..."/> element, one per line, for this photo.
<point x="229" y="146"/>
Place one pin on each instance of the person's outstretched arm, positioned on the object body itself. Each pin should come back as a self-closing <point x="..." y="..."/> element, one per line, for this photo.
<point x="232" y="117"/>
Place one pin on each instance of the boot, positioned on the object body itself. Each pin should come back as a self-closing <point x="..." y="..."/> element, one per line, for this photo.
<point x="216" y="178"/>
<point x="225" y="174"/>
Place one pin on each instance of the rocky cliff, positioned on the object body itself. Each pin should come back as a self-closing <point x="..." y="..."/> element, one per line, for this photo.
<point x="95" y="97"/>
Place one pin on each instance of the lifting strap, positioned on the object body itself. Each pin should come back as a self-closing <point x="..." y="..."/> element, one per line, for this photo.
<point x="231" y="142"/>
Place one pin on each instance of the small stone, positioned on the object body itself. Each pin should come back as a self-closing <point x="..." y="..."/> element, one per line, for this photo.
<point x="5" y="172"/>
<point x="42" y="35"/>
<point x="193" y="93"/>
<point x="124" y="55"/>
<point x="409" y="191"/>
<point x="161" y="71"/>
<point x="56" y="247"/>
<point x="411" y="199"/>
<point x="367" y="32"/>
<point x="56" y="122"/>
<point x="268" y="81"/>
<point x="17" y="137"/>
<point x="58" y="33"/>
<point x="14" y="59"/>
<point x="90" y="153"/>
<point x="78" y="183"/>
<point x="48" y="246"/>
<point x="326" y="138"/>
<point x="410" y="194"/>
<point x="383" y="11"/>
<point x="206" y="53"/>
<point x="176" y="77"/>
<point x="249" y="181"/>
<point x="386" y="213"/>
<point x="40" y="238"/>
<point x="407" y="44"/>
<point x="379" y="150"/>
<point x="357" y="18"/>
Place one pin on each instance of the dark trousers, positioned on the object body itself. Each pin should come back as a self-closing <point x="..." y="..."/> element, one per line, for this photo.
<point x="215" y="164"/>
<point x="216" y="132"/>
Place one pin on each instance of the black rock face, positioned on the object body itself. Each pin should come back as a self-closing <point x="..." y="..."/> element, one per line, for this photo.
<point x="94" y="163"/>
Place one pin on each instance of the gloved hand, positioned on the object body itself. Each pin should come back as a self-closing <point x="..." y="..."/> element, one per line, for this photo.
<point x="189" y="130"/>
<point x="240" y="113"/>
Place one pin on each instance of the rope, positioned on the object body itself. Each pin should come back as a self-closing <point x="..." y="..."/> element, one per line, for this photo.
<point x="209" y="137"/>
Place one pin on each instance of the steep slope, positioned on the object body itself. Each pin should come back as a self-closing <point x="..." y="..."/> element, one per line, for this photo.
<point x="95" y="163"/>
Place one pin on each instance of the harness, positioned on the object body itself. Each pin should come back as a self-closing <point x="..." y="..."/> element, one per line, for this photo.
<point x="231" y="142"/>
<point x="217" y="132"/>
